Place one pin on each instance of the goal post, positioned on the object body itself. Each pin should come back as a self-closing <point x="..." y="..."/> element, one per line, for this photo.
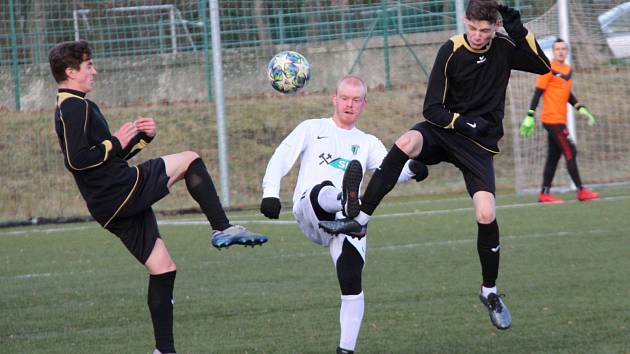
<point x="599" y="82"/>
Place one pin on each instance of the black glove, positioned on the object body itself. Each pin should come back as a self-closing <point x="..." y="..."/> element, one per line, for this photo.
<point x="270" y="207"/>
<point x="471" y="126"/>
<point x="420" y="170"/>
<point x="512" y="22"/>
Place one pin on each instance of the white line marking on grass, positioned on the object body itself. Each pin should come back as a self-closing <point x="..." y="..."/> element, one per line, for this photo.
<point x="46" y="231"/>
<point x="372" y="249"/>
<point x="291" y="222"/>
<point x="395" y="215"/>
<point x="34" y="275"/>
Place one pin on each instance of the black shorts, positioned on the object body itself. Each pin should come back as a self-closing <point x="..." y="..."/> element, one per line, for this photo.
<point x="135" y="224"/>
<point x="475" y="162"/>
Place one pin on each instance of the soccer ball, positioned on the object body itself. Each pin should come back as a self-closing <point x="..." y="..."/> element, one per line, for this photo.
<point x="288" y="71"/>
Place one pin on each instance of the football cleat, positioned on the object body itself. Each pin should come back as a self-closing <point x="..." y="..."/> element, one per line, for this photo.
<point x="499" y="313"/>
<point x="340" y="350"/>
<point x="156" y="351"/>
<point x="348" y="227"/>
<point x="236" y="235"/>
<point x="350" y="189"/>
<point x="584" y="195"/>
<point x="547" y="198"/>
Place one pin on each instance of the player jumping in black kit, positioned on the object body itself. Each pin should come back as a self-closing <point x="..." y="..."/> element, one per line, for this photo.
<point x="463" y="107"/>
<point x="120" y="196"/>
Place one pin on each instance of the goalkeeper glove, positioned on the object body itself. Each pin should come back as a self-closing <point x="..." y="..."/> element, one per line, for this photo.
<point x="270" y="207"/>
<point x="512" y="22"/>
<point x="529" y="124"/>
<point x="585" y="112"/>
<point x="471" y="126"/>
<point x="420" y="170"/>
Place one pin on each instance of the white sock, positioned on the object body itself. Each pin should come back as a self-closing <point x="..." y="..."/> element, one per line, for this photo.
<point x="362" y="218"/>
<point x="487" y="291"/>
<point x="327" y="199"/>
<point x="350" y="317"/>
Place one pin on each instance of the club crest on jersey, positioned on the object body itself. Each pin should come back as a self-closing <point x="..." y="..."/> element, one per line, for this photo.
<point x="354" y="149"/>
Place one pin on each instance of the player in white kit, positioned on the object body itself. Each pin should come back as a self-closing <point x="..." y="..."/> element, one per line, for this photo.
<point x="334" y="155"/>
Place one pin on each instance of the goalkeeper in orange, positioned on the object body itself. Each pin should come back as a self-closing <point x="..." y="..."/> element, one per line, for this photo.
<point x="555" y="88"/>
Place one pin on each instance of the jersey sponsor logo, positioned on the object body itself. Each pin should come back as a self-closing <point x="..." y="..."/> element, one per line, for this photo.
<point x="472" y="125"/>
<point x="355" y="149"/>
<point x="321" y="137"/>
<point x="338" y="163"/>
<point x="482" y="59"/>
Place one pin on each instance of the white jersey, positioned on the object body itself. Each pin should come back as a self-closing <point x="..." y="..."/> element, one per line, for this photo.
<point x="324" y="151"/>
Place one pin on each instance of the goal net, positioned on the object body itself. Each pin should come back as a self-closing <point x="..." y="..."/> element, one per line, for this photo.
<point x="601" y="72"/>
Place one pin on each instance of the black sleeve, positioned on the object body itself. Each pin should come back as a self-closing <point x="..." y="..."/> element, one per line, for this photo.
<point x="536" y="98"/>
<point x="529" y="57"/>
<point x="573" y="100"/>
<point x="135" y="145"/>
<point x="434" y="110"/>
<point x="79" y="153"/>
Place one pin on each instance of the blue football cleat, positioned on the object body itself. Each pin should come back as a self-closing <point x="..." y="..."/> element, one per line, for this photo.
<point x="348" y="227"/>
<point x="236" y="235"/>
<point x="499" y="313"/>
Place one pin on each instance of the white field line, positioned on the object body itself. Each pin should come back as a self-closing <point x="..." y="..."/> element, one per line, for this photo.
<point x="323" y="251"/>
<point x="291" y="222"/>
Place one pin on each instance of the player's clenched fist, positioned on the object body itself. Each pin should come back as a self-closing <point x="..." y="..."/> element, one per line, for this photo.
<point x="270" y="207"/>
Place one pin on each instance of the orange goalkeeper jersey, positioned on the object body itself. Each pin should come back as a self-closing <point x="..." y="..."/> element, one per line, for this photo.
<point x="556" y="85"/>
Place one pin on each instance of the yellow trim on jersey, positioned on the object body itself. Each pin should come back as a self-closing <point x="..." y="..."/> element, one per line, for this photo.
<point x="459" y="40"/>
<point x="451" y="125"/>
<point x="531" y="41"/>
<point x="126" y="199"/>
<point x="139" y="146"/>
<point x="62" y="96"/>
<point x="108" y="147"/>
<point x="446" y="77"/>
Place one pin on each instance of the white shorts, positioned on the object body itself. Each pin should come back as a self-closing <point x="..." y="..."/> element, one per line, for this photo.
<point x="307" y="220"/>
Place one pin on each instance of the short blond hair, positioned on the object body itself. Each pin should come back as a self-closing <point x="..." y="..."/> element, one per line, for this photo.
<point x="354" y="80"/>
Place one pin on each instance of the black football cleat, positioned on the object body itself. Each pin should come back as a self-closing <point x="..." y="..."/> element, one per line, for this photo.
<point x="344" y="351"/>
<point x="499" y="313"/>
<point x="348" y="227"/>
<point x="350" y="205"/>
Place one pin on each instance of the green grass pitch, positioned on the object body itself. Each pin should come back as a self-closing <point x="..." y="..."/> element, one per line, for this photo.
<point x="564" y="269"/>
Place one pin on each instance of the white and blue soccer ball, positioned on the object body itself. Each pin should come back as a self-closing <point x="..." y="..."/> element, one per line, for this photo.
<point x="288" y="71"/>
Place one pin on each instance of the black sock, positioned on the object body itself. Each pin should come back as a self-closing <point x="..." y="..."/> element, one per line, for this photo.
<point x="487" y="241"/>
<point x="160" y="301"/>
<point x="201" y="188"/>
<point x="384" y="179"/>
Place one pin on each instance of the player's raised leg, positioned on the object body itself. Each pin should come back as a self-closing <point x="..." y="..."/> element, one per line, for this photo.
<point x="189" y="166"/>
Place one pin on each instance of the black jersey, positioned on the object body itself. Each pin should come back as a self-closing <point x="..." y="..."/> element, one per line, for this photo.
<point x="466" y="81"/>
<point x="95" y="157"/>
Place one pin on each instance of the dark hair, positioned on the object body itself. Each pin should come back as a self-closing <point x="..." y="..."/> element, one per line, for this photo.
<point x="68" y="55"/>
<point x="482" y="10"/>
